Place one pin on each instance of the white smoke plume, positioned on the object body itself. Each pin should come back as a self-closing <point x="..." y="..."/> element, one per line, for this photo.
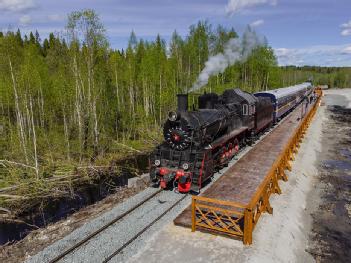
<point x="237" y="49"/>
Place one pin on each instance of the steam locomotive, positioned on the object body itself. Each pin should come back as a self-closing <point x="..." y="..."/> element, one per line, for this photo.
<point x="197" y="143"/>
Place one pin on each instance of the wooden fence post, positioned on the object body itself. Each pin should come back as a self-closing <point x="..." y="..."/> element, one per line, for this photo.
<point x="193" y="214"/>
<point x="248" y="226"/>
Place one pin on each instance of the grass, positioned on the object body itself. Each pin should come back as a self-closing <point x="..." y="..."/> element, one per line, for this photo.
<point x="59" y="176"/>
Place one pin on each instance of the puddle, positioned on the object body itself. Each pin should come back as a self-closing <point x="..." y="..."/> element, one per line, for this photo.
<point x="346" y="153"/>
<point x="337" y="164"/>
<point x="339" y="209"/>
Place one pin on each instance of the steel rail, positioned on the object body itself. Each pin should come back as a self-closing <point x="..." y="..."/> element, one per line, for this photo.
<point x="98" y="231"/>
<point x="142" y="231"/>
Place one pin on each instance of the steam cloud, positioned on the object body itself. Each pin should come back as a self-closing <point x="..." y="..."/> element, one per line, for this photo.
<point x="235" y="50"/>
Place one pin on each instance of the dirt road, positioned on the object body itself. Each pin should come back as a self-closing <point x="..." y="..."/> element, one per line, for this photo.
<point x="330" y="240"/>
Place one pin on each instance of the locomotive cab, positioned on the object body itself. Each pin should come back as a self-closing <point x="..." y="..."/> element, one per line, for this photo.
<point x="247" y="104"/>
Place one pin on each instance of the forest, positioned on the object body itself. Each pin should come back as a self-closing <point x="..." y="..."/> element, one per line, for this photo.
<point x="71" y="100"/>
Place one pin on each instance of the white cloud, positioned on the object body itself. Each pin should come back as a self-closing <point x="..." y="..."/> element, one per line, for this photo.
<point x="337" y="55"/>
<point x="16" y="5"/>
<point x="348" y="24"/>
<point x="346" y="29"/>
<point x="257" y="23"/>
<point x="25" y="20"/>
<point x="346" y="32"/>
<point x="283" y="52"/>
<point x="235" y="6"/>
<point x="55" y="17"/>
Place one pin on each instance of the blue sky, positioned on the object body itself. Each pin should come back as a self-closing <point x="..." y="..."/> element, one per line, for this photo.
<point x="302" y="32"/>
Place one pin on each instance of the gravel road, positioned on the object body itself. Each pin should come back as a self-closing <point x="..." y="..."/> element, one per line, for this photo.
<point x="330" y="240"/>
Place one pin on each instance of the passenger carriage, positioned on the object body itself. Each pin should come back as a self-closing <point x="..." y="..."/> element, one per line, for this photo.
<point x="286" y="99"/>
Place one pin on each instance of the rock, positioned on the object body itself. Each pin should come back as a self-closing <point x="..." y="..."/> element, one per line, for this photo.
<point x="138" y="182"/>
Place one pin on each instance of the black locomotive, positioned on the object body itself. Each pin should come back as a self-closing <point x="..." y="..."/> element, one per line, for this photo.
<point x="199" y="142"/>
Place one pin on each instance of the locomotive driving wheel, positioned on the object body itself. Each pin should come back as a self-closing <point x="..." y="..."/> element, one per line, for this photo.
<point x="236" y="146"/>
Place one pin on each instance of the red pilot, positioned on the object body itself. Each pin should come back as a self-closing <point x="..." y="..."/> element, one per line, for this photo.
<point x="178" y="177"/>
<point x="164" y="177"/>
<point x="184" y="179"/>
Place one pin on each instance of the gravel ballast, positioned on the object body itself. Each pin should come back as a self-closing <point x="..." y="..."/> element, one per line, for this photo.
<point x="60" y="246"/>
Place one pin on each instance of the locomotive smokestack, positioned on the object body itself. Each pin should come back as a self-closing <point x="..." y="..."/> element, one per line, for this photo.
<point x="182" y="102"/>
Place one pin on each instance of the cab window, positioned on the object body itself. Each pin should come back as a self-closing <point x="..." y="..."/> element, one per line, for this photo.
<point x="245" y="109"/>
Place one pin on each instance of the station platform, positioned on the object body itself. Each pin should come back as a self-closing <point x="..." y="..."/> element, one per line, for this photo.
<point x="233" y="204"/>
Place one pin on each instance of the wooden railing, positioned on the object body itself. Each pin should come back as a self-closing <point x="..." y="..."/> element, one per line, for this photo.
<point x="239" y="220"/>
<point x="217" y="215"/>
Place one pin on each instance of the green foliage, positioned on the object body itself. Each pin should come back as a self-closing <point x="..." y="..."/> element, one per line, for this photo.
<point x="334" y="77"/>
<point x="74" y="101"/>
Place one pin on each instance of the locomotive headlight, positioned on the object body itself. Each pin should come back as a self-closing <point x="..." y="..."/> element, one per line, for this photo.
<point x="157" y="162"/>
<point x="172" y="116"/>
<point x="185" y="166"/>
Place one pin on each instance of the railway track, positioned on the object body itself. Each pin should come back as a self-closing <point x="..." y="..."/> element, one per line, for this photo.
<point x="119" y="250"/>
<point x="115" y="221"/>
